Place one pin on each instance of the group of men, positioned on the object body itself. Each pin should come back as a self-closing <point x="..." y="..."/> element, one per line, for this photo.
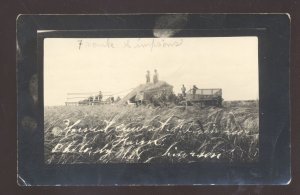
<point x="155" y="80"/>
<point x="98" y="98"/>
<point x="183" y="90"/>
<point x="155" y="77"/>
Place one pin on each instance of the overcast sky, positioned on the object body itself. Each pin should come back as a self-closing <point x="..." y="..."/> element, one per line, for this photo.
<point x="117" y="65"/>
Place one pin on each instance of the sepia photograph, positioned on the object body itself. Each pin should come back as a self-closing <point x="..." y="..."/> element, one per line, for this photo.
<point x="151" y="100"/>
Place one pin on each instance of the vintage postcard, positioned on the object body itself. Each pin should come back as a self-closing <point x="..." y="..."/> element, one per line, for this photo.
<point x="153" y="99"/>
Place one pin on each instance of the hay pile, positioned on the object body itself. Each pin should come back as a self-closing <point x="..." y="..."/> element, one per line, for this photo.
<point x="144" y="88"/>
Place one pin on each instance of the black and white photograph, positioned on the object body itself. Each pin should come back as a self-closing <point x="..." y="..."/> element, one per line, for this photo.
<point x="151" y="100"/>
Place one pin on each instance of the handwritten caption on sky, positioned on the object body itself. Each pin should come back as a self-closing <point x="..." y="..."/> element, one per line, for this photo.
<point x="135" y="43"/>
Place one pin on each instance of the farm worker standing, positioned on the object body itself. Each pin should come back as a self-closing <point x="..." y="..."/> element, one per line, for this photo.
<point x="148" y="77"/>
<point x="90" y="99"/>
<point x="194" y="90"/>
<point x="155" y="76"/>
<point x="183" y="89"/>
<point x="100" y="96"/>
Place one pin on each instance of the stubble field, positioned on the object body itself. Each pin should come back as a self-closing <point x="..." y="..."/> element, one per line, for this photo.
<point x="144" y="134"/>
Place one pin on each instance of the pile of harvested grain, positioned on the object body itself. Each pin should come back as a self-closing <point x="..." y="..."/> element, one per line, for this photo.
<point x="150" y="87"/>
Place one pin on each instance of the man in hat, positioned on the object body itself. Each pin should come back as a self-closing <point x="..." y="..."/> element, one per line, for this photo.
<point x="148" y="77"/>
<point x="155" y="76"/>
<point x="183" y="89"/>
<point x="194" y="90"/>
